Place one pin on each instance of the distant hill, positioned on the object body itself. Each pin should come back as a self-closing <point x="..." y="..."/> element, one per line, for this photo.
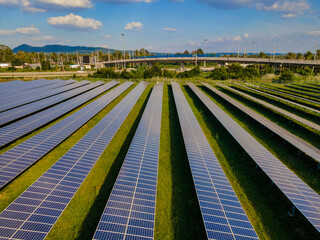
<point x="60" y="48"/>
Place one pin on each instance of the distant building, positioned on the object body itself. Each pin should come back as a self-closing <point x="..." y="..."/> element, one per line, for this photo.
<point x="5" y="65"/>
<point x="75" y="66"/>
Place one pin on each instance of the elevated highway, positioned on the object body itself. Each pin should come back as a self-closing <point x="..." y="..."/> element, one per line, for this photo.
<point x="219" y="60"/>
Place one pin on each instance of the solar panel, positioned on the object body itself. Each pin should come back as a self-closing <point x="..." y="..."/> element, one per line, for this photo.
<point x="23" y="94"/>
<point x="276" y="109"/>
<point x="32" y="96"/>
<point x="35" y="211"/>
<point x="21" y="157"/>
<point x="279" y="98"/>
<point x="222" y="213"/>
<point x="305" y="199"/>
<point x="19" y="112"/>
<point x="130" y="210"/>
<point x="20" y="128"/>
<point x="290" y="95"/>
<point x="289" y="137"/>
<point x="28" y="85"/>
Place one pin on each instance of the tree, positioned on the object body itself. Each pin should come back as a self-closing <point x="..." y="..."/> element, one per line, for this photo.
<point x="291" y="55"/>
<point x="219" y="74"/>
<point x="308" y="56"/>
<point x="199" y="51"/>
<point x="286" y="75"/>
<point x="186" y="52"/>
<point x="45" y="65"/>
<point x="263" y="55"/>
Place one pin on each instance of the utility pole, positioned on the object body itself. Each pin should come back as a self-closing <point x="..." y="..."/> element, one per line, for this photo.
<point x="252" y="49"/>
<point x="315" y="52"/>
<point x="124" y="53"/>
<point x="274" y="50"/>
<point x="245" y="49"/>
<point x="238" y="52"/>
<point x="205" y="52"/>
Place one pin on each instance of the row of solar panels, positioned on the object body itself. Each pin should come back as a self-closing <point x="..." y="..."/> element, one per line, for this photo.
<point x="129" y="213"/>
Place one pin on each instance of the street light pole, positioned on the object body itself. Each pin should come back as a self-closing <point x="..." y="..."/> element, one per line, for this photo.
<point x="205" y="52"/>
<point x="124" y="53"/>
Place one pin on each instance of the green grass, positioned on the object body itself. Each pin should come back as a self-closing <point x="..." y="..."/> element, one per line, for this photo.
<point x="81" y="217"/>
<point x="266" y="206"/>
<point x="25" y="179"/>
<point x="177" y="211"/>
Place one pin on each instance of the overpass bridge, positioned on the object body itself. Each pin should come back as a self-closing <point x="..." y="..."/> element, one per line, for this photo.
<point x="218" y="60"/>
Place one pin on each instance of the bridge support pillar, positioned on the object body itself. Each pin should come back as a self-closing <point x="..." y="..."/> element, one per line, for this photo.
<point x="182" y="66"/>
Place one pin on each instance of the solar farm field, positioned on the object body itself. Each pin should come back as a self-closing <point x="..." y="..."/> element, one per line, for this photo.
<point x="139" y="160"/>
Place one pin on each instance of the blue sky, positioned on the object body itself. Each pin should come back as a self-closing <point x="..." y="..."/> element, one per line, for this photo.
<point x="164" y="25"/>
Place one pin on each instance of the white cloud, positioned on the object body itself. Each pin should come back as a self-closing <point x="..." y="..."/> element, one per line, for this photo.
<point x="72" y="21"/>
<point x="314" y="33"/>
<point x="267" y="5"/>
<point x="105" y="35"/>
<point x="43" y="38"/>
<point x="68" y="3"/>
<point x="246" y="35"/>
<point x="126" y="1"/>
<point x="137" y="26"/>
<point x="168" y="29"/>
<point x="285" y="6"/>
<point x="32" y="30"/>
<point x="236" y="38"/>
<point x="289" y="15"/>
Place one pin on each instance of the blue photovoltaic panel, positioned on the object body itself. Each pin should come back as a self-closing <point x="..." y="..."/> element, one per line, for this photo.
<point x="26" y="93"/>
<point x="20" y="128"/>
<point x="28" y="85"/>
<point x="19" y="158"/>
<point x="19" y="112"/>
<point x="290" y="95"/>
<point x="35" y="211"/>
<point x="22" y="94"/>
<point x="300" y="144"/>
<point x="305" y="199"/>
<point x="222" y="213"/>
<point x="275" y="108"/>
<point x="252" y="88"/>
<point x="130" y="210"/>
<point x="32" y="96"/>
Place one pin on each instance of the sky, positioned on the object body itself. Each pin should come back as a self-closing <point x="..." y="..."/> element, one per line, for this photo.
<point x="166" y="26"/>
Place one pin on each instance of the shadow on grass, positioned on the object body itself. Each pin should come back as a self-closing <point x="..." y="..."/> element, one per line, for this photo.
<point x="92" y="219"/>
<point x="307" y="114"/>
<point x="187" y="219"/>
<point x="291" y="126"/>
<point x="270" y="206"/>
<point x="288" y="153"/>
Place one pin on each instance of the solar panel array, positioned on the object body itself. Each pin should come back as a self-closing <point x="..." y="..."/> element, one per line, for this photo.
<point x="35" y="211"/>
<point x="305" y="199"/>
<point x="130" y="210"/>
<point x="277" y="109"/>
<point x="20" y="86"/>
<point x="19" y="112"/>
<point x="32" y="96"/>
<point x="18" y="129"/>
<point x="290" y="95"/>
<point x="22" y="94"/>
<point x="289" y="137"/>
<point x="279" y="98"/>
<point x="19" y="158"/>
<point x="222" y="213"/>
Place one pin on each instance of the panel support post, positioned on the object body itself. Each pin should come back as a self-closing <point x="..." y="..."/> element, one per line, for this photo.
<point x="291" y="214"/>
